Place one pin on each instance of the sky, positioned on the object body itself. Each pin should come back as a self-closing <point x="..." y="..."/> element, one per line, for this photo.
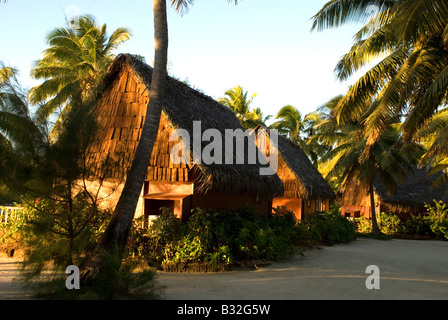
<point x="266" y="47"/>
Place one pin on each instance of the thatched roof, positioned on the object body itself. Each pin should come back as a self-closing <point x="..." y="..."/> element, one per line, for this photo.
<point x="307" y="180"/>
<point x="311" y="180"/>
<point x="414" y="192"/>
<point x="182" y="106"/>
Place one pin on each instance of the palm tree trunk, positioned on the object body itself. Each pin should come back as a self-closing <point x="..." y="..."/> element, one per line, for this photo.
<point x="115" y="237"/>
<point x="375" y="228"/>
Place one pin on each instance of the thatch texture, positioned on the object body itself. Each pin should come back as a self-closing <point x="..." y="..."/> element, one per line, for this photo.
<point x="121" y="112"/>
<point x="300" y="177"/>
<point x="311" y="181"/>
<point x="413" y="193"/>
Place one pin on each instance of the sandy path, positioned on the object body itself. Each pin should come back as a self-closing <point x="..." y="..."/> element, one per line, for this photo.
<point x="10" y="288"/>
<point x="408" y="270"/>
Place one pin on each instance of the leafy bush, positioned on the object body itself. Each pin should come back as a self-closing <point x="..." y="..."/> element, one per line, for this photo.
<point x="329" y="227"/>
<point x="390" y="224"/>
<point x="11" y="233"/>
<point x="220" y="238"/>
<point x="417" y="226"/>
<point x="363" y="225"/>
<point x="437" y="219"/>
<point x="433" y="223"/>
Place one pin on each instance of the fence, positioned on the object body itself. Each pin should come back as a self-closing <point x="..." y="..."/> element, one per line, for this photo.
<point x="9" y="213"/>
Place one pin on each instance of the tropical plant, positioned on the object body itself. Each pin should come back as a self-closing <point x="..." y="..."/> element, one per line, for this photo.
<point x="291" y="123"/>
<point x="434" y="136"/>
<point x="238" y="101"/>
<point x="73" y="65"/>
<point x="255" y="118"/>
<point x="390" y="223"/>
<point x="62" y="217"/>
<point x="301" y="130"/>
<point x="437" y="218"/>
<point x="385" y="161"/>
<point x="406" y="41"/>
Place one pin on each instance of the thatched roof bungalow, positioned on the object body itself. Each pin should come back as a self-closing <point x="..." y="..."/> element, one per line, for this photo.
<point x="121" y="112"/>
<point x="305" y="190"/>
<point x="410" y="196"/>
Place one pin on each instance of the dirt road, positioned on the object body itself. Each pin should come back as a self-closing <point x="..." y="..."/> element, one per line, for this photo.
<point x="407" y="270"/>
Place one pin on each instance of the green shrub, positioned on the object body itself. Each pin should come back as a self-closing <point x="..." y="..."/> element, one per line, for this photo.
<point x="329" y="227"/>
<point x="11" y="233"/>
<point x="437" y="219"/>
<point x="390" y="224"/>
<point x="158" y="242"/>
<point x="433" y="224"/>
<point x="363" y="225"/>
<point x="217" y="238"/>
<point x="417" y="226"/>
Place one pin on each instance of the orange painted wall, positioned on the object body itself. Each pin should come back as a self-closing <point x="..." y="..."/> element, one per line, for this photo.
<point x="291" y="204"/>
<point x="301" y="207"/>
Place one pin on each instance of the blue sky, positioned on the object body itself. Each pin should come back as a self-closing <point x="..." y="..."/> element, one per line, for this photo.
<point x="264" y="46"/>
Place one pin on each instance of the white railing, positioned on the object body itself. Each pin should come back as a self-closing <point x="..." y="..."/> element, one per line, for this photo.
<point x="8" y="213"/>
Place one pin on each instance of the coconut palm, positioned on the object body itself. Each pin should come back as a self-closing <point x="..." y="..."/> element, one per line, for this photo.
<point x="291" y="123"/>
<point x="435" y="136"/>
<point x="299" y="129"/>
<point x="384" y="163"/>
<point x="255" y="118"/>
<point x="407" y="43"/>
<point x="344" y="163"/>
<point x="237" y="100"/>
<point x="73" y="65"/>
<point x="16" y="123"/>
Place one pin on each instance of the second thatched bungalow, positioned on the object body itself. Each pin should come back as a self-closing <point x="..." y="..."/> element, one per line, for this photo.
<point x="121" y="113"/>
<point x="305" y="190"/>
<point x="410" y="197"/>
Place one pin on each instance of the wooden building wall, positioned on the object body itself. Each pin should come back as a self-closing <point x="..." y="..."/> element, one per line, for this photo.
<point x="121" y="115"/>
<point x="292" y="198"/>
<point x="355" y="202"/>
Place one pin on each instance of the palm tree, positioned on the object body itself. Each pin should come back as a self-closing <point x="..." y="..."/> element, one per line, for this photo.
<point x="347" y="142"/>
<point x="16" y="123"/>
<point x="255" y="118"/>
<point x="114" y="239"/>
<point x="290" y="124"/>
<point x="384" y="162"/>
<point x="237" y="100"/>
<point x="434" y="136"/>
<point x="407" y="42"/>
<point x="73" y="65"/>
<point x="301" y="130"/>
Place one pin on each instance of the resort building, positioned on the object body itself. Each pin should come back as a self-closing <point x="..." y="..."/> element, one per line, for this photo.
<point x="121" y="112"/>
<point x="410" y="197"/>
